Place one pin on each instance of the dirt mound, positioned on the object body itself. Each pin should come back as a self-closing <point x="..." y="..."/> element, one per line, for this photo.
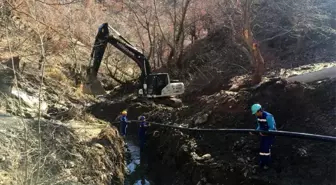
<point x="231" y="109"/>
<point x="296" y="107"/>
<point x="211" y="62"/>
<point x="65" y="157"/>
<point x="110" y="168"/>
<point x="87" y="163"/>
<point x="110" y="110"/>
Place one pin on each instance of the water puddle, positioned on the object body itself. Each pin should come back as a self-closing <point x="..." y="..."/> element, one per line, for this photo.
<point x="136" y="164"/>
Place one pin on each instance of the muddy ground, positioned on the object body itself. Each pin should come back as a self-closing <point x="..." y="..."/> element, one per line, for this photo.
<point x="197" y="158"/>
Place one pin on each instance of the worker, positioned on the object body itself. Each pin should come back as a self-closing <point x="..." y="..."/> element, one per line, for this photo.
<point x="123" y="123"/>
<point x="142" y="131"/>
<point x="265" y="122"/>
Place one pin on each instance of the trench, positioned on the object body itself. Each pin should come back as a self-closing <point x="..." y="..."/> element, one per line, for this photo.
<point x="139" y="168"/>
<point x="142" y="168"/>
<point x="137" y="165"/>
<point x="140" y="172"/>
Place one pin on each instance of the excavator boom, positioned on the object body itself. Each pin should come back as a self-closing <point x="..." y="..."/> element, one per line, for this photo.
<point x="103" y="37"/>
<point x="153" y="85"/>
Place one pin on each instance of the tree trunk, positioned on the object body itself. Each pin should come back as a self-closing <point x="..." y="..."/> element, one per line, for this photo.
<point x="253" y="47"/>
<point x="259" y="65"/>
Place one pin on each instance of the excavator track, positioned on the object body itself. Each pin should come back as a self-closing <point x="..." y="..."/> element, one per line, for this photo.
<point x="169" y="101"/>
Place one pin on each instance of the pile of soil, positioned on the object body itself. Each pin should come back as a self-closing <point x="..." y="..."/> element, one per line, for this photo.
<point x="65" y="157"/>
<point x="296" y="107"/>
<point x="200" y="158"/>
<point x="211" y="62"/>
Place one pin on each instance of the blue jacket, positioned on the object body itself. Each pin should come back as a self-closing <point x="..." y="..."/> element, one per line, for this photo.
<point x="123" y="120"/>
<point x="266" y="122"/>
<point x="143" y="128"/>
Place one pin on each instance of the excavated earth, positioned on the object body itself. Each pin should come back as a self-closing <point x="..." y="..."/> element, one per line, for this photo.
<point x="217" y="97"/>
<point x="216" y="158"/>
<point x="69" y="155"/>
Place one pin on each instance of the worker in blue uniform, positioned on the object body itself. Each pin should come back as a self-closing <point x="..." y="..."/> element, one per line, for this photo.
<point x="142" y="131"/>
<point x="123" y="123"/>
<point x="265" y="122"/>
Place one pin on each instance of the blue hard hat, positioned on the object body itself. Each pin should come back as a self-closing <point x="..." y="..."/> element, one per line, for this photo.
<point x="255" y="108"/>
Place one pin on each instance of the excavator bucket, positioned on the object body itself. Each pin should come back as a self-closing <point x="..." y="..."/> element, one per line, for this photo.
<point x="93" y="87"/>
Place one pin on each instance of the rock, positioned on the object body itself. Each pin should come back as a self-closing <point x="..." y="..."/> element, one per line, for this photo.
<point x="30" y="113"/>
<point x="71" y="164"/>
<point x="73" y="179"/>
<point x="53" y="156"/>
<point x="206" y="156"/>
<point x="87" y="179"/>
<point x="99" y="146"/>
<point x="306" y="67"/>
<point x="67" y="172"/>
<point x="241" y="160"/>
<point x="234" y="87"/>
<point x="245" y="173"/>
<point x="202" y="119"/>
<point x="7" y="73"/>
<point x="31" y="101"/>
<point x="103" y="177"/>
<point x="198" y="158"/>
<point x="302" y="152"/>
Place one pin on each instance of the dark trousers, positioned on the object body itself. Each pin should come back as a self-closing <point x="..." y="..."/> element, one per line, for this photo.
<point x="266" y="143"/>
<point x="142" y="140"/>
<point x="123" y="127"/>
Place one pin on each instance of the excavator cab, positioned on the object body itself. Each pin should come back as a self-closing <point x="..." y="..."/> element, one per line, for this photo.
<point x="160" y="85"/>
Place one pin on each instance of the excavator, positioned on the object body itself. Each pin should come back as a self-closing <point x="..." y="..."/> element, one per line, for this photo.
<point x="155" y="86"/>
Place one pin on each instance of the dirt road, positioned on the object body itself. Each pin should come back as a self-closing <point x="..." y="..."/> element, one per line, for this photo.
<point x="314" y="76"/>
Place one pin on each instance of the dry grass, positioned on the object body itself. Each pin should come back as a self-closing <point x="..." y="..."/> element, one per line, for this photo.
<point x="55" y="74"/>
<point x="66" y="156"/>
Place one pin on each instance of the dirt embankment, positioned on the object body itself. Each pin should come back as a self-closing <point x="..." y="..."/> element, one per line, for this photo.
<point x="75" y="152"/>
<point x="68" y="156"/>
<point x="75" y="147"/>
<point x="198" y="158"/>
<point x="296" y="107"/>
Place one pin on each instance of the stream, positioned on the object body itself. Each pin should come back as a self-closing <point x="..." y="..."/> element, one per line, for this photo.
<point x="136" y="164"/>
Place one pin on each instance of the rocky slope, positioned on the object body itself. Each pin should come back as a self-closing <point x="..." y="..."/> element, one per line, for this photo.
<point x="75" y="147"/>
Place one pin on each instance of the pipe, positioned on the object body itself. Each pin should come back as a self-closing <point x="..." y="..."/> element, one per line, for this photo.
<point x="300" y="135"/>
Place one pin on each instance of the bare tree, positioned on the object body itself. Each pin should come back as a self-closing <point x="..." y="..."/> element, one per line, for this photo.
<point x="161" y="28"/>
<point x="294" y="25"/>
<point x="253" y="46"/>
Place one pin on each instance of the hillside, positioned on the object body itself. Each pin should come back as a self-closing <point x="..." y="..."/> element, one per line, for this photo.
<point x="228" y="54"/>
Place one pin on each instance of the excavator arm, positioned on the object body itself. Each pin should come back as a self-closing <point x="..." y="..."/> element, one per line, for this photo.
<point x="154" y="85"/>
<point x="103" y="37"/>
